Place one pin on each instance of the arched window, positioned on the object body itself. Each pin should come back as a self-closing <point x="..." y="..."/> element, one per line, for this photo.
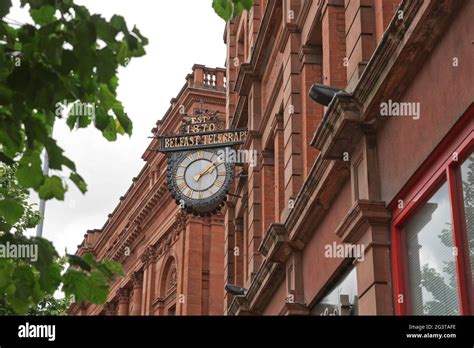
<point x="168" y="286"/>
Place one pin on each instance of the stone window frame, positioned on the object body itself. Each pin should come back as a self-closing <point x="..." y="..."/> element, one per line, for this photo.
<point x="440" y="167"/>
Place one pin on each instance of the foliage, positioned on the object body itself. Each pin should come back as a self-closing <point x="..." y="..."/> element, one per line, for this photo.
<point x="11" y="191"/>
<point x="27" y="284"/>
<point x="68" y="57"/>
<point x="229" y="9"/>
<point x="49" y="305"/>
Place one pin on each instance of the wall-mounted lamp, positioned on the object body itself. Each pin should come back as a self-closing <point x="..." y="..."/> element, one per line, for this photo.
<point x="235" y="290"/>
<point x="323" y="94"/>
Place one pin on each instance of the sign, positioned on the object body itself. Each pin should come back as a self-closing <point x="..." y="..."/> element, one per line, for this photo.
<point x="202" y="140"/>
<point x="198" y="177"/>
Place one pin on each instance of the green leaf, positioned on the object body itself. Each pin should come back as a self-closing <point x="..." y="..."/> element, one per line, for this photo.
<point x="52" y="188"/>
<point x="229" y="9"/>
<point x="50" y="278"/>
<point x="5" y="95"/>
<point x="110" y="132"/>
<point x="23" y="280"/>
<point x="223" y="8"/>
<point x="78" y="261"/>
<point x="246" y="4"/>
<point x="6" y="269"/>
<point x="86" y="35"/>
<point x="140" y="36"/>
<point x="76" y="283"/>
<point x="106" y="65"/>
<point x="98" y="288"/>
<point x="5" y="7"/>
<point x="122" y="117"/>
<point x="11" y="210"/>
<point x="118" y="23"/>
<point x="29" y="172"/>
<point x="44" y="15"/>
<point x="79" y="181"/>
<point x="107" y="97"/>
<point x="122" y="54"/>
<point x="114" y="267"/>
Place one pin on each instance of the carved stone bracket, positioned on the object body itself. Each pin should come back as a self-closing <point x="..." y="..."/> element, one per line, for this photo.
<point x="361" y="215"/>
<point x="137" y="279"/>
<point x="123" y="295"/>
<point x="340" y="129"/>
<point x="110" y="308"/>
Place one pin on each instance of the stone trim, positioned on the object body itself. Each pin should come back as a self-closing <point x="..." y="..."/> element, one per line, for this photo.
<point x="363" y="213"/>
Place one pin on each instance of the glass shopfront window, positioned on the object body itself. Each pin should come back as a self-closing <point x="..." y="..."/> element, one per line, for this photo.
<point x="431" y="264"/>
<point x="433" y="231"/>
<point x="341" y="299"/>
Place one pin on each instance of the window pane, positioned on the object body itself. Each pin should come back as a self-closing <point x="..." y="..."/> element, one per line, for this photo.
<point x="341" y="299"/>
<point x="467" y="173"/>
<point x="431" y="266"/>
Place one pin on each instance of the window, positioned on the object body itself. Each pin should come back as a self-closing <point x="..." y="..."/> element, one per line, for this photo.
<point x="467" y="176"/>
<point x="430" y="258"/>
<point x="341" y="299"/>
<point x="433" y="230"/>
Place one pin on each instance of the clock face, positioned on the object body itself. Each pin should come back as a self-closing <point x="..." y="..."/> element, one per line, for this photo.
<point x="199" y="179"/>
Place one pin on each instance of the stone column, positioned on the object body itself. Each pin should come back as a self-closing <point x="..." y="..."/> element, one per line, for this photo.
<point x="311" y="72"/>
<point x="137" y="281"/>
<point x="192" y="280"/>
<point x="239" y="255"/>
<point x="123" y="295"/>
<point x="216" y="266"/>
<point x="334" y="44"/>
<point x="268" y="189"/>
<point x="148" y="258"/>
<point x="229" y="257"/>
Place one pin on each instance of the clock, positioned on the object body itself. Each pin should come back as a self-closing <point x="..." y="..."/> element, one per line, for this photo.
<point x="199" y="180"/>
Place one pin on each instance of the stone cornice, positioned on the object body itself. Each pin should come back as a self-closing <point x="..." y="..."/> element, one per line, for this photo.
<point x="406" y="44"/>
<point x="339" y="129"/>
<point x="363" y="213"/>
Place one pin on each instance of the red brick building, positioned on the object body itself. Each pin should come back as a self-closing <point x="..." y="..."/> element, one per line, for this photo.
<point x="174" y="262"/>
<point x="387" y="169"/>
<point x="364" y="206"/>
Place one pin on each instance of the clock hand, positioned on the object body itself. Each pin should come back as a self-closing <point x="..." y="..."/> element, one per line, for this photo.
<point x="198" y="176"/>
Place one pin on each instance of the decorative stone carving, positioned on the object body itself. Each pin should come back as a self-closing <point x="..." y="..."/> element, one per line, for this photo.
<point x="171" y="278"/>
<point x="110" y="308"/>
<point x="149" y="255"/>
<point x="137" y="279"/>
<point x="123" y="295"/>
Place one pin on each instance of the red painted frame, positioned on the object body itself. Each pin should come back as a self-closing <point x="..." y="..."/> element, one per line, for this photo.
<point x="439" y="167"/>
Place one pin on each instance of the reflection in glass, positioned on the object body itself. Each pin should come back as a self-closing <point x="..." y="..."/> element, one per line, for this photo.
<point x="341" y="299"/>
<point x="431" y="266"/>
<point x="467" y="174"/>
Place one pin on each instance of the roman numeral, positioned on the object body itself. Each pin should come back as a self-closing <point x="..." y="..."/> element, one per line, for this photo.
<point x="219" y="183"/>
<point x="181" y="186"/>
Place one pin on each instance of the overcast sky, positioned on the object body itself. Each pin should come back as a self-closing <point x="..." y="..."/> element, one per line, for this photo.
<point x="181" y="33"/>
